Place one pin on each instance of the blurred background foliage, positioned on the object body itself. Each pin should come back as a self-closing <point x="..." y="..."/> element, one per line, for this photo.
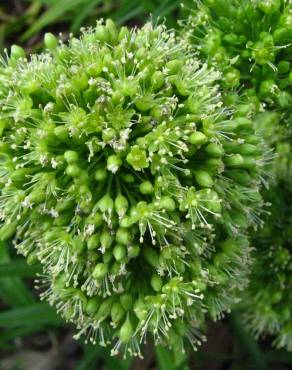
<point x="24" y="21"/>
<point x="32" y="337"/>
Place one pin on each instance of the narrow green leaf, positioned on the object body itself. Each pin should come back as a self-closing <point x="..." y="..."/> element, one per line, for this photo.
<point x="12" y="289"/>
<point x="40" y="314"/>
<point x="80" y="17"/>
<point x="18" y="268"/>
<point x="165" y="8"/>
<point x="51" y="16"/>
<point x="127" y="11"/>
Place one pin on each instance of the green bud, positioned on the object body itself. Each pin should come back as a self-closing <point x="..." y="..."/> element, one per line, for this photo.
<point x="197" y="138"/>
<point x="128" y="178"/>
<point x="71" y="156"/>
<point x="119" y="252"/>
<point x="284" y="66"/>
<point x="146" y="187"/>
<point x="102" y="33"/>
<point x="140" y="309"/>
<point x="106" y="239"/>
<point x="100" y="271"/>
<point x="17" y="52"/>
<point x="117" y="312"/>
<point x="240" y="176"/>
<point x="137" y="158"/>
<point x="133" y="251"/>
<point x="214" y="150"/>
<point x="123" y="236"/>
<point x="121" y="205"/>
<point x="7" y="230"/>
<point x="108" y="135"/>
<point x="234" y="160"/>
<point x="107" y="256"/>
<point x="93" y="242"/>
<point x="151" y="256"/>
<point x="112" y="28"/>
<point x="78" y="245"/>
<point x="100" y="174"/>
<point x="62" y="133"/>
<point x="156" y="283"/>
<point x="51" y="42"/>
<point x="157" y="80"/>
<point x="94" y="219"/>
<point x="247" y="149"/>
<point x="174" y="66"/>
<point x="203" y="178"/>
<point x="105" y="204"/>
<point x="73" y="170"/>
<point x="123" y="34"/>
<point x="126" y="222"/>
<point x="92" y="305"/>
<point x="167" y="203"/>
<point x="126" y="301"/>
<point x="104" y="309"/>
<point x="126" y="331"/>
<point x="114" y="162"/>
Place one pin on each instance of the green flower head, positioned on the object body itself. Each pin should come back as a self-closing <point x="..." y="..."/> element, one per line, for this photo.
<point x="126" y="177"/>
<point x="250" y="42"/>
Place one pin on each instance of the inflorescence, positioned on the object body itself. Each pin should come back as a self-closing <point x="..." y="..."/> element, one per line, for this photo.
<point x="250" y="42"/>
<point x="126" y="177"/>
<point x="267" y="301"/>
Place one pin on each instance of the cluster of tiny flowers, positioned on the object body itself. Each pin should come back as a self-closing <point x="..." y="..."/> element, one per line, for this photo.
<point x="267" y="308"/>
<point x="250" y="42"/>
<point x="124" y="175"/>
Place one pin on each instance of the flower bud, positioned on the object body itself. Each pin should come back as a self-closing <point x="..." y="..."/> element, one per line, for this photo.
<point x="71" y="156"/>
<point x="126" y="301"/>
<point x="119" y="252"/>
<point x="121" y="205"/>
<point x="167" y="203"/>
<point x="114" y="162"/>
<point x="100" y="270"/>
<point x="17" y="52"/>
<point x="146" y="187"/>
<point x="100" y="174"/>
<point x="93" y="242"/>
<point x="123" y="236"/>
<point x="156" y="283"/>
<point x="198" y="138"/>
<point x="51" y="42"/>
<point x="126" y="331"/>
<point x="106" y="239"/>
<point x="117" y="312"/>
<point x="203" y="178"/>
<point x="105" y="204"/>
<point x="73" y="170"/>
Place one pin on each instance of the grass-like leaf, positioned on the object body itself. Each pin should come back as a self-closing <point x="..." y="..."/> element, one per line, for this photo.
<point x="57" y="10"/>
<point x="13" y="291"/>
<point x="39" y="314"/>
<point x="18" y="268"/>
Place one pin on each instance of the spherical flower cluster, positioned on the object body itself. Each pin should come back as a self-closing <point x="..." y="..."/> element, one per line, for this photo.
<point x="268" y="301"/>
<point x="123" y="174"/>
<point x="250" y="42"/>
